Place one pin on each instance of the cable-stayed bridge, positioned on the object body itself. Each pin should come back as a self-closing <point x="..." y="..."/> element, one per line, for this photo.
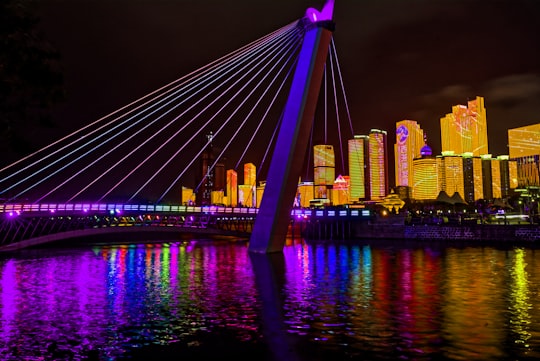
<point x="257" y="104"/>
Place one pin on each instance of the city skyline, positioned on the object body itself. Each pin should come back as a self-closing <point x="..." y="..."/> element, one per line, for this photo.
<point x="465" y="168"/>
<point x="404" y="65"/>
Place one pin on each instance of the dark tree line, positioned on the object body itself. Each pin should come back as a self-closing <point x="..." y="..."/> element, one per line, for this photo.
<point x="31" y="79"/>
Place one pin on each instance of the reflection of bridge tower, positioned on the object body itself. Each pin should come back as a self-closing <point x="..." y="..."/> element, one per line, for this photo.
<point x="272" y="222"/>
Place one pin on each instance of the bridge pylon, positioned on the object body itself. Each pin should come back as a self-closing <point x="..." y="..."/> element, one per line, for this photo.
<point x="271" y="225"/>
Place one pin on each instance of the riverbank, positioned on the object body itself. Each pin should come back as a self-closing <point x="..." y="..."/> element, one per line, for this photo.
<point x="394" y="228"/>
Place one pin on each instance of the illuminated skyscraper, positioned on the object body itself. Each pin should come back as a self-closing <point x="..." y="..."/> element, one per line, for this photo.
<point x="231" y="191"/>
<point x="465" y="129"/>
<point x="188" y="197"/>
<point x="250" y="182"/>
<point x="513" y="174"/>
<point x="324" y="169"/>
<point x="508" y="175"/>
<point x="473" y="186"/>
<point x="340" y="191"/>
<point x="500" y="175"/>
<point x="425" y="184"/>
<point x="524" y="149"/>
<point x="486" y="176"/>
<point x="378" y="164"/>
<point x="250" y="174"/>
<point x="451" y="178"/>
<point x="259" y="192"/>
<point x="524" y="141"/>
<point x="409" y="142"/>
<point x="496" y="178"/>
<point x="358" y="166"/>
<point x="304" y="193"/>
<point x="246" y="196"/>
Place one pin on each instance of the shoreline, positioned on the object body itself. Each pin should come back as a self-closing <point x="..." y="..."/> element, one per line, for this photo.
<point x="395" y="229"/>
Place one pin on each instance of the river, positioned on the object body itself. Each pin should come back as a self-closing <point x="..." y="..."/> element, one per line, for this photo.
<point x="199" y="299"/>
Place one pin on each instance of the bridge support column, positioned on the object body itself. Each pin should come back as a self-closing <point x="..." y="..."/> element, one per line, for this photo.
<point x="272" y="222"/>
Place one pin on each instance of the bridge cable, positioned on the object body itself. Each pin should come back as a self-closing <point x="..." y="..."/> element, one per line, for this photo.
<point x="251" y="112"/>
<point x="210" y="65"/>
<point x="136" y="133"/>
<point x="200" y="152"/>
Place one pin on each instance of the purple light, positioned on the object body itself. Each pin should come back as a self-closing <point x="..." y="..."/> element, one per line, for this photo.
<point x="325" y="14"/>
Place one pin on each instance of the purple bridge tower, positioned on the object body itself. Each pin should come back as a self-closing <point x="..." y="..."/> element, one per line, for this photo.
<point x="272" y="222"/>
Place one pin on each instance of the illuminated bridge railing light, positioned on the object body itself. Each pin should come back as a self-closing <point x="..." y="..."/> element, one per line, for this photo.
<point x="117" y="209"/>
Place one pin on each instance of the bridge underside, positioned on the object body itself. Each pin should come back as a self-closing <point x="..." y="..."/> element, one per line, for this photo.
<point x="119" y="235"/>
<point x="23" y="232"/>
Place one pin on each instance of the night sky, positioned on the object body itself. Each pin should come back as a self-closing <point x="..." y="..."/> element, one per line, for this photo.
<point x="399" y="59"/>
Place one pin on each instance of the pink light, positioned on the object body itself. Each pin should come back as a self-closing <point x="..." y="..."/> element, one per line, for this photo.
<point x="325" y="14"/>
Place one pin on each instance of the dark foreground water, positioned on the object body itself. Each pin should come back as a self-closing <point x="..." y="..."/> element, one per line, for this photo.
<point x="213" y="300"/>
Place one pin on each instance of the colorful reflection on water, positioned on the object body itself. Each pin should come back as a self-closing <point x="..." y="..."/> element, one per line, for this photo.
<point x="313" y="302"/>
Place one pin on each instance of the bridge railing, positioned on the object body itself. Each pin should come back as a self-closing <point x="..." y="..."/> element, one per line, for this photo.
<point x="14" y="209"/>
<point x="114" y="208"/>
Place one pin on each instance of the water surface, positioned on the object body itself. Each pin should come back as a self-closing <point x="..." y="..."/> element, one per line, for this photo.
<point x="200" y="299"/>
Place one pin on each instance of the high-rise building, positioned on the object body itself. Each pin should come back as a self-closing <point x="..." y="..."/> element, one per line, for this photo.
<point x="465" y="129"/>
<point x="188" y="197"/>
<point x="259" y="192"/>
<point x="524" y="149"/>
<point x="378" y="164"/>
<point x="528" y="171"/>
<point x="231" y="191"/>
<point x="358" y="167"/>
<point x="250" y="174"/>
<point x="451" y="174"/>
<point x="500" y="174"/>
<point x="340" y="191"/>
<point x="473" y="185"/>
<point x="218" y="197"/>
<point x="496" y="178"/>
<point x="246" y="196"/>
<point x="220" y="177"/>
<point x="508" y="172"/>
<point x="304" y="194"/>
<point x="524" y="141"/>
<point x="513" y="174"/>
<point x="250" y="183"/>
<point x="487" y="182"/>
<point x="324" y="169"/>
<point x="409" y="142"/>
<point x="425" y="184"/>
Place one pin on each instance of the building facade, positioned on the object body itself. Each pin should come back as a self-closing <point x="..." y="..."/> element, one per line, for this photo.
<point x="524" y="149"/>
<point x="409" y="143"/>
<point x="378" y="164"/>
<point x="323" y="169"/>
<point x="358" y="150"/>
<point x="231" y="189"/>
<point x="465" y="129"/>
